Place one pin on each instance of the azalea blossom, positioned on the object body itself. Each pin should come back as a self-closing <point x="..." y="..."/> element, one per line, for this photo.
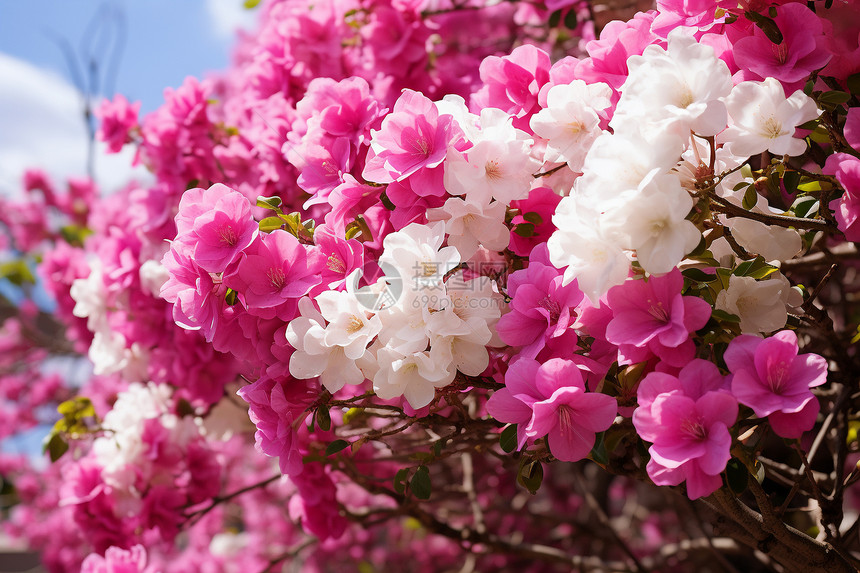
<point x="763" y="119"/>
<point x="550" y="400"/>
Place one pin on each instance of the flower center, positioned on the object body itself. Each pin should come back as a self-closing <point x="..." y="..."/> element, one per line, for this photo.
<point x="576" y="127"/>
<point x="355" y="324"/>
<point x="335" y="264"/>
<point x="658" y="311"/>
<point x="694" y="429"/>
<point x="552" y="307"/>
<point x="772" y="128"/>
<point x="228" y="235"/>
<point x="686" y="97"/>
<point x="493" y="171"/>
<point x="780" y="52"/>
<point x="276" y="277"/>
<point x="776" y="376"/>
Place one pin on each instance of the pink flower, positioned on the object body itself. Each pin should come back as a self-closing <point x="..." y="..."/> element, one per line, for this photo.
<point x="770" y="377"/>
<point x="118" y="119"/>
<point x="803" y="48"/>
<point x="277" y="408"/>
<point x="542" y="306"/>
<point x="687" y="420"/>
<point x="275" y="269"/>
<point x="618" y="41"/>
<point x="550" y="400"/>
<point x="512" y="83"/>
<point x="653" y="317"/>
<point x="316" y="506"/>
<point x="221" y="234"/>
<point x="542" y="202"/>
<point x="116" y="560"/>
<point x="846" y="169"/>
<point x="413" y="136"/>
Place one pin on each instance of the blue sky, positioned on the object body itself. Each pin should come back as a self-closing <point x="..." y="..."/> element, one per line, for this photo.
<point x="40" y="110"/>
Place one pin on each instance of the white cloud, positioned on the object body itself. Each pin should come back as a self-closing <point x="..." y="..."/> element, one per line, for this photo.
<point x="41" y="125"/>
<point x="229" y="15"/>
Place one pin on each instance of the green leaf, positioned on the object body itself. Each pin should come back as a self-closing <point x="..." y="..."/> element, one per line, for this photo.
<point x="834" y="98"/>
<point x="598" y="452"/>
<point x="273" y="203"/>
<point x="250" y="4"/>
<point x="791" y="179"/>
<point x="323" y="419"/>
<point x="420" y="483"/>
<point x="853" y="83"/>
<point x="750" y="198"/>
<point x="810" y="125"/>
<point x="17" y="272"/>
<point x="400" y="480"/>
<point x="699" y="276"/>
<point x="570" y="20"/>
<point x="231" y="297"/>
<point x="555" y="19"/>
<point x="804" y="206"/>
<point x="533" y="218"/>
<point x="737" y="476"/>
<point x="767" y="25"/>
<point x="438" y="445"/>
<point x="269" y="224"/>
<point x="531" y="476"/>
<point x="78" y="407"/>
<point x="525" y="229"/>
<point x="724" y="316"/>
<point x="508" y="439"/>
<point x="55" y="445"/>
<point x="335" y="447"/>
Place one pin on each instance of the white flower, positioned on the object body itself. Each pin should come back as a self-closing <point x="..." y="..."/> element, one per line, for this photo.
<point x="415" y="253"/>
<point x="498" y="165"/>
<point x="676" y="90"/>
<point x="455" y="106"/>
<point x="90" y="297"/>
<point x="470" y="225"/>
<point x="313" y="357"/>
<point x="578" y="246"/>
<point x="349" y="325"/>
<point x="654" y="223"/>
<point x="570" y="121"/>
<point x="771" y="242"/>
<point x="152" y="276"/>
<point x="761" y="305"/>
<point x="764" y="120"/>
<point x="461" y="342"/>
<point x="414" y="376"/>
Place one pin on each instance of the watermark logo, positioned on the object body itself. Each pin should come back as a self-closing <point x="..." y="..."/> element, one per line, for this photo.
<point x="375" y="286"/>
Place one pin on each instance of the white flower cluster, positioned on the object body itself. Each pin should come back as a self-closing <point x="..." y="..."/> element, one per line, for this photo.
<point x="438" y="324"/>
<point x="109" y="351"/>
<point x="634" y="196"/>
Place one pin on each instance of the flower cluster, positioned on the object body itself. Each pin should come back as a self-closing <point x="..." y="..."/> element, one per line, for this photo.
<point x="387" y="235"/>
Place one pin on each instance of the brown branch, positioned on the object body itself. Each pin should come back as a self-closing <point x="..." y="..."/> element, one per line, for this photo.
<point x="731" y="210"/>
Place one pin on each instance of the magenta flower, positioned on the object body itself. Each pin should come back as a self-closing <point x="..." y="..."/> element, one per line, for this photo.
<point x="687" y="420"/>
<point x="653" y="317"/>
<point x="277" y="408"/>
<point x="550" y="400"/>
<point x="412" y="136"/>
<point x="222" y="233"/>
<point x="803" y="49"/>
<point x="542" y="307"/>
<point x="770" y="378"/>
<point x="118" y="119"/>
<point x="846" y="169"/>
<point x="275" y="269"/>
<point x="116" y="560"/>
